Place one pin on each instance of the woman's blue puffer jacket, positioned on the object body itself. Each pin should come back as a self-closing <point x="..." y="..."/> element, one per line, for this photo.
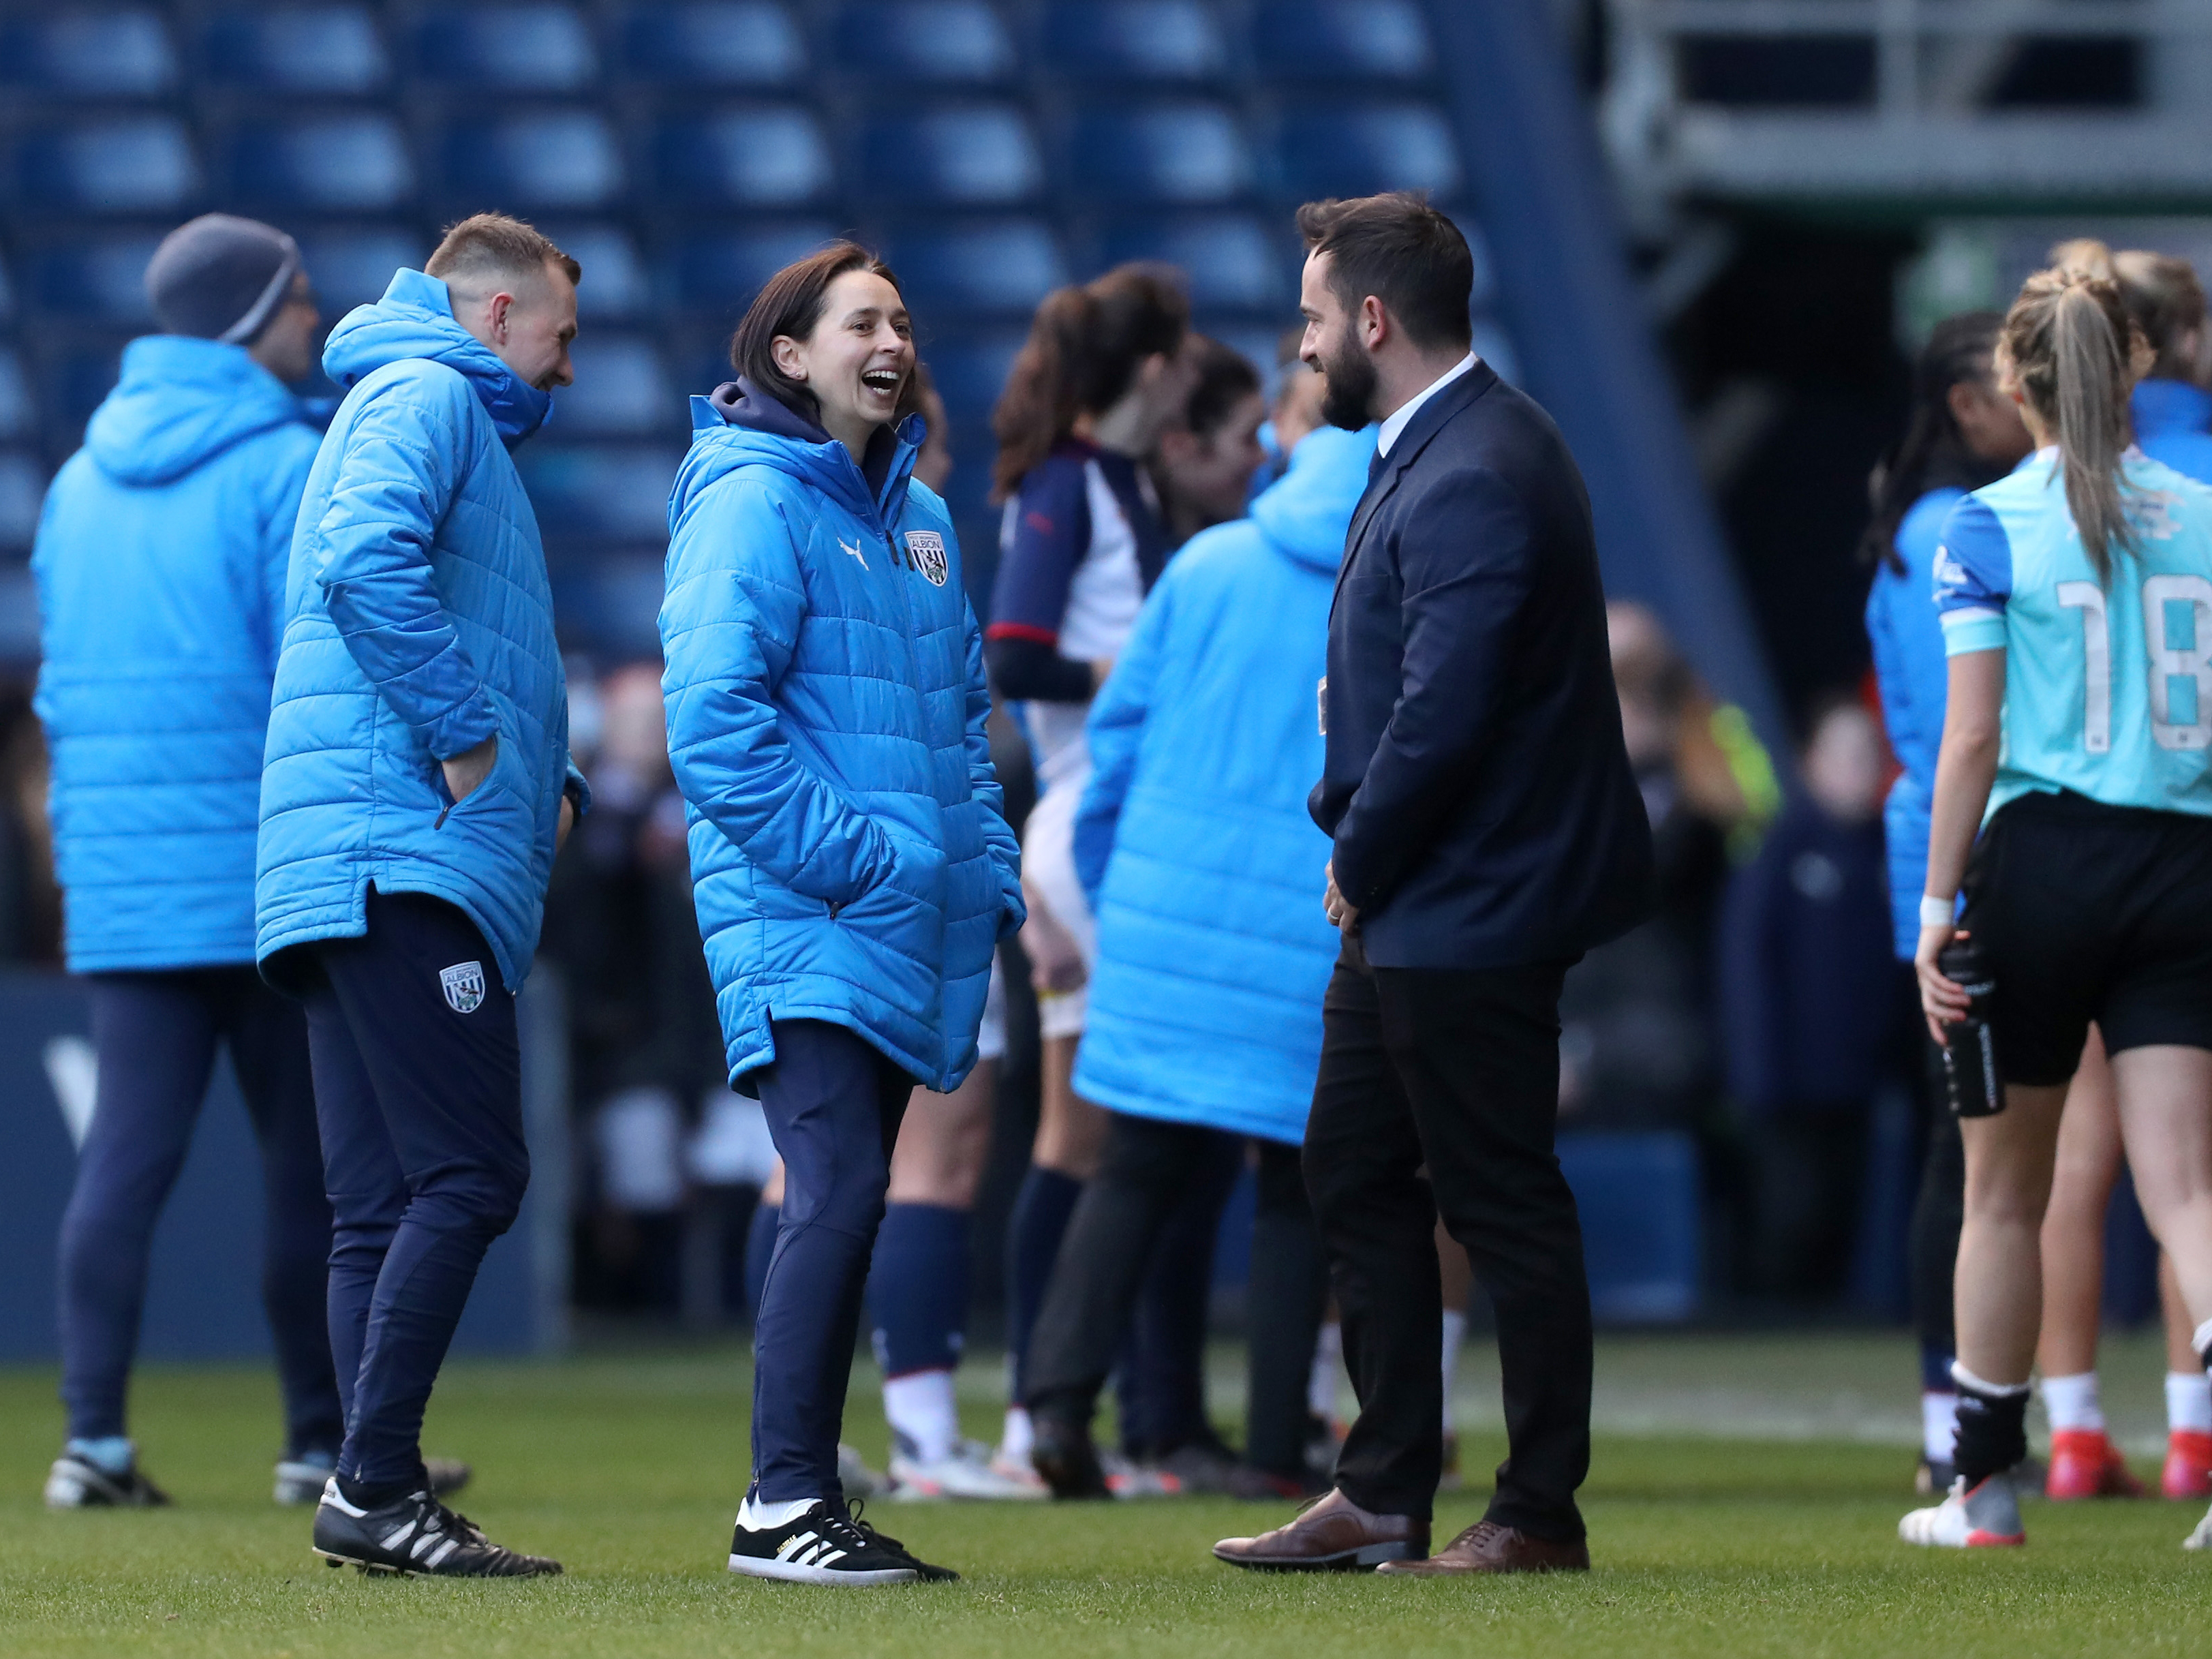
<point x="826" y="710"/>
<point x="1193" y="836"/>
<point x="419" y="623"/>
<point x="160" y="563"/>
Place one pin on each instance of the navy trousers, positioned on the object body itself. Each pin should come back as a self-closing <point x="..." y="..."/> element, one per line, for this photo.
<point x="833" y="1105"/>
<point x="418" y="1084"/>
<point x="157" y="1036"/>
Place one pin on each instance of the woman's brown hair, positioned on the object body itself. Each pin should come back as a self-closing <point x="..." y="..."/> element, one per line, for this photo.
<point x="790" y="303"/>
<point x="1085" y="347"/>
<point x="2067" y="340"/>
<point x="2165" y="299"/>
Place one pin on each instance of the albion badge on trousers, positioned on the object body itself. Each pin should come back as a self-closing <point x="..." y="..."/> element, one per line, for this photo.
<point x="464" y="986"/>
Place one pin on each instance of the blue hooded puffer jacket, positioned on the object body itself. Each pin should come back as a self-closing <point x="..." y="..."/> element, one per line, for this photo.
<point x="2172" y="419"/>
<point x="419" y="623"/>
<point x="1194" y="838"/>
<point x="160" y="563"/>
<point x="826" y="711"/>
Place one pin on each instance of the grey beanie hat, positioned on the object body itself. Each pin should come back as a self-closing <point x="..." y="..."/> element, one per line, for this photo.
<point x="221" y="278"/>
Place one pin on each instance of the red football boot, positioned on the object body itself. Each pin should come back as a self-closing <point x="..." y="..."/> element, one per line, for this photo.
<point x="2085" y="1463"/>
<point x="2188" y="1471"/>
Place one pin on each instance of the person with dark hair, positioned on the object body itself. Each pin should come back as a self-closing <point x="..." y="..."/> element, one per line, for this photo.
<point x="1486" y="831"/>
<point x="1205" y="459"/>
<point x="851" y="865"/>
<point x="418" y="785"/>
<point x="1102" y="373"/>
<point x="1962" y="432"/>
<point x="2171" y="409"/>
<point x="2071" y="805"/>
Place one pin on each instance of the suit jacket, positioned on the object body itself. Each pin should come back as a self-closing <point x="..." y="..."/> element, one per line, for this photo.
<point x="1476" y="784"/>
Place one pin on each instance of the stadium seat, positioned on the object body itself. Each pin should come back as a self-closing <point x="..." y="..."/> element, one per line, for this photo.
<point x="310" y="52"/>
<point x="614" y="492"/>
<point x="609" y="603"/>
<point x="101" y="280"/>
<point x="18" y="414"/>
<point x="22" y="491"/>
<point x="714" y="43"/>
<point x="1641" y="1200"/>
<point x="614" y="288"/>
<point x="945" y="270"/>
<point x="1231" y="260"/>
<point x="957" y="156"/>
<point x="1169" y="41"/>
<point x="947" y="41"/>
<point x="76" y="379"/>
<point x="969" y="370"/>
<point x="353" y="266"/>
<point x="1358" y="149"/>
<point x="1340" y="40"/>
<point x="87" y="54"/>
<point x="351" y="163"/>
<point x="140" y="165"/>
<point x="767" y="156"/>
<point x="1166" y="153"/>
<point x="621" y="390"/>
<point x="716" y="276"/>
<point x="548" y="159"/>
<point x="506" y="49"/>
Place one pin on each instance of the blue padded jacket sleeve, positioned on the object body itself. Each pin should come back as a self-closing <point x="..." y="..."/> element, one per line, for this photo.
<point x="728" y="627"/>
<point x="1115" y="733"/>
<point x="397" y="474"/>
<point x="1973" y="579"/>
<point x="983" y="782"/>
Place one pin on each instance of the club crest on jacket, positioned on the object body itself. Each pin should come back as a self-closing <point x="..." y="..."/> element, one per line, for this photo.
<point x="925" y="550"/>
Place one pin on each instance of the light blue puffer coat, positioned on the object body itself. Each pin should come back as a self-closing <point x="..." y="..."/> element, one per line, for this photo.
<point x="419" y="623"/>
<point x="826" y="709"/>
<point x="160" y="563"/>
<point x="1194" y="838"/>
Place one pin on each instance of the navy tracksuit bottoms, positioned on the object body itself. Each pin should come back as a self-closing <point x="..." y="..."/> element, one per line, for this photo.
<point x="418" y="1085"/>
<point x="156" y="1034"/>
<point x="833" y="1104"/>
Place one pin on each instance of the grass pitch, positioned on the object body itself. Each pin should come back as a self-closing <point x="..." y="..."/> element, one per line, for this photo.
<point x="627" y="1469"/>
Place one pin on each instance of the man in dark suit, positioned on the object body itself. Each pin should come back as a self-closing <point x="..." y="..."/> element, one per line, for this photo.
<point x="1487" y="832"/>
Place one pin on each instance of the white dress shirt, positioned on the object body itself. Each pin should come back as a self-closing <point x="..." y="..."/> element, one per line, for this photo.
<point x="1399" y="421"/>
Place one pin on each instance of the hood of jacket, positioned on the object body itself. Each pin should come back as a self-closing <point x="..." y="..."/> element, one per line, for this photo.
<point x="415" y="318"/>
<point x="1308" y="511"/>
<point x="180" y="403"/>
<point x="740" y="425"/>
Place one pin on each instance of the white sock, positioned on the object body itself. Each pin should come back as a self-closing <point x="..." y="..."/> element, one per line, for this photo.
<point x="1455" y="1335"/>
<point x="756" y="1516"/>
<point x="920" y="1408"/>
<point x="2070" y="1403"/>
<point x="1017" y="1439"/>
<point x="1328" y="1360"/>
<point x="1939" y="1426"/>
<point x="2189" y="1401"/>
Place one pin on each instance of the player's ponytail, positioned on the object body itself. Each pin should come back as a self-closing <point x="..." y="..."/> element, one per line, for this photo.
<point x="2067" y="341"/>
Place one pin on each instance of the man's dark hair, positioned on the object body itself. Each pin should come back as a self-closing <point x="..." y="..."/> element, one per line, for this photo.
<point x="790" y="304"/>
<point x="493" y="245"/>
<point x="1398" y="248"/>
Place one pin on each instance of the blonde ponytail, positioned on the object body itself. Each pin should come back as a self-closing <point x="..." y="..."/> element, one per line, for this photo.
<point x="2066" y="339"/>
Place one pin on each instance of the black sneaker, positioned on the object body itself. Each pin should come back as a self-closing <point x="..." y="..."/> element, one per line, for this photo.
<point x="1065" y="1456"/>
<point x="416" y="1536"/>
<point x="829" y="1544"/>
<point x="78" y="1483"/>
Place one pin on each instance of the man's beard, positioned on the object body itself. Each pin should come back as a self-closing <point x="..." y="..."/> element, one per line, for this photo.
<point x="1348" y="396"/>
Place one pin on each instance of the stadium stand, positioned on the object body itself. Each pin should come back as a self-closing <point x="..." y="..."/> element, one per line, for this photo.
<point x="682" y="151"/>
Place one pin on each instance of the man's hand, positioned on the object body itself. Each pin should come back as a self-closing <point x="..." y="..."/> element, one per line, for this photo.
<point x="465" y="770"/>
<point x="1342" y="914"/>
<point x="567" y="821"/>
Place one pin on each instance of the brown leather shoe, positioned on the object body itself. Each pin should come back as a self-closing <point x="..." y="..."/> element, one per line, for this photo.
<point x="1487" y="1547"/>
<point x="1332" y="1535"/>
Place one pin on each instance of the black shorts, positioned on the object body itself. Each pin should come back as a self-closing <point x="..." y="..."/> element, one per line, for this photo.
<point x="2087" y="912"/>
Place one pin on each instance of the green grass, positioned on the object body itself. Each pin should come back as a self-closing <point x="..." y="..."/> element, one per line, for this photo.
<point x="627" y="1469"/>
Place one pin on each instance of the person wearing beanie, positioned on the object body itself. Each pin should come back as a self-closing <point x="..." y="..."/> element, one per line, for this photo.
<point x="161" y="563"/>
<point x="417" y="785"/>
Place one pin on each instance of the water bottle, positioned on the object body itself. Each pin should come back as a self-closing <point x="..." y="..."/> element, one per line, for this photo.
<point x="1970" y="1050"/>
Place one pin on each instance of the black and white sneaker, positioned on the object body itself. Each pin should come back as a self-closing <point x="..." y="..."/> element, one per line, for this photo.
<point x="416" y="1536"/>
<point x="78" y="1483"/>
<point x="823" y="1544"/>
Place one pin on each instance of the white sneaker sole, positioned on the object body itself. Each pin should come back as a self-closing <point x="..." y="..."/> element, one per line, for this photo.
<point x="790" y="1573"/>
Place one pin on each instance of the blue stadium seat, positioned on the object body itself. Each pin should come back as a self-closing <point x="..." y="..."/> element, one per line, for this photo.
<point x="1641" y="1199"/>
<point x="766" y="156"/>
<point x="354" y="265"/>
<point x="320" y="51"/>
<point x="1340" y="40"/>
<point x="101" y="280"/>
<point x="1003" y="266"/>
<point x="951" y="42"/>
<point x="18" y="410"/>
<point x="76" y="380"/>
<point x="954" y="156"/>
<point x="1167" y="153"/>
<point x="1357" y="150"/>
<point x="1231" y="260"/>
<point x="22" y="491"/>
<point x="609" y="603"/>
<point x="716" y="276"/>
<point x="614" y="288"/>
<point x="621" y="390"/>
<point x="351" y="163"/>
<point x="1172" y="41"/>
<point x="140" y="164"/>
<point x="506" y="49"/>
<point x="617" y="492"/>
<point x="87" y="54"/>
<point x="714" y="43"/>
<point x="550" y="159"/>
<point x="970" y="371"/>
